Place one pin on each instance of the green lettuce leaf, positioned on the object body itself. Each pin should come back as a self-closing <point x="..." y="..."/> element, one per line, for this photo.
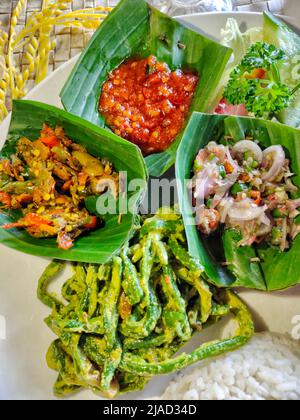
<point x="239" y="42"/>
<point x="278" y="33"/>
<point x="136" y="29"/>
<point x="96" y="246"/>
<point x="276" y="270"/>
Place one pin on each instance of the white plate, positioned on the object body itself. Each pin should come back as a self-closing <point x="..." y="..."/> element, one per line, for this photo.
<point x="23" y="370"/>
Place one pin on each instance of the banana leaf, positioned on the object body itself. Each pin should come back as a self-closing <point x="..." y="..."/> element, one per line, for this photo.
<point x="96" y="246"/>
<point x="277" y="270"/>
<point x="278" y="33"/>
<point x="135" y="29"/>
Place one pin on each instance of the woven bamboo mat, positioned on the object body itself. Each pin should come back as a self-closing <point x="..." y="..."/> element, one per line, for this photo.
<point x="70" y="42"/>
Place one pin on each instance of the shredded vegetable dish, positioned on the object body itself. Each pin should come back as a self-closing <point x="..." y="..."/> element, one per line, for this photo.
<point x="146" y="103"/>
<point x="48" y="181"/>
<point x="121" y="323"/>
<point x="246" y="188"/>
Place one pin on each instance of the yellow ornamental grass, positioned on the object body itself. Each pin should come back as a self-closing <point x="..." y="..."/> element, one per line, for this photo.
<point x="4" y="81"/>
<point x="35" y="42"/>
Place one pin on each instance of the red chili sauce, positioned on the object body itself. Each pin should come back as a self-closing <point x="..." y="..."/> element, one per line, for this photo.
<point x="147" y="104"/>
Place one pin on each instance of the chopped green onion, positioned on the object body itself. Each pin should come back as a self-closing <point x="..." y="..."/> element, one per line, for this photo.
<point x="276" y="234"/>
<point x="209" y="203"/>
<point x="239" y="187"/>
<point x="197" y="167"/>
<point x="278" y="214"/>
<point x="248" y="169"/>
<point x="212" y="156"/>
<point x="222" y="171"/>
<point x="247" y="155"/>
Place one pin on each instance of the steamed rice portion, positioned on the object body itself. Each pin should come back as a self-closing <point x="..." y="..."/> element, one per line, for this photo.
<point x="268" y="368"/>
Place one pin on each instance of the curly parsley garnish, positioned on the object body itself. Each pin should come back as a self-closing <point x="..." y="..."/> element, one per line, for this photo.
<point x="256" y="82"/>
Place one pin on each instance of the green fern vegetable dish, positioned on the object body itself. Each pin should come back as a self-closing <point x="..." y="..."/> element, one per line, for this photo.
<point x="54" y="167"/>
<point x="119" y="324"/>
<point x="136" y="31"/>
<point x="241" y="203"/>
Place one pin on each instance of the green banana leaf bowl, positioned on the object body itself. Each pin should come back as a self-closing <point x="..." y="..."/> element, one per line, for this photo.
<point x="276" y="270"/>
<point x="97" y="246"/>
<point x="135" y="29"/>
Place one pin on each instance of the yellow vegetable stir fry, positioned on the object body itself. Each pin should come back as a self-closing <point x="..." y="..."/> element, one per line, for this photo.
<point x="48" y="180"/>
<point x="123" y="322"/>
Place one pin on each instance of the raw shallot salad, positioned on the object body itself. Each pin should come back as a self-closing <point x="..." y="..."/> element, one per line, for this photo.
<point x="244" y="187"/>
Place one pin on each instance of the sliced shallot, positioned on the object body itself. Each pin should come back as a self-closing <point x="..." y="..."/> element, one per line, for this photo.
<point x="246" y="213"/>
<point x="224" y="208"/>
<point x="249" y="146"/>
<point x="278" y="157"/>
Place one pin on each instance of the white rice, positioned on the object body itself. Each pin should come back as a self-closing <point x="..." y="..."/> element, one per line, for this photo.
<point x="268" y="368"/>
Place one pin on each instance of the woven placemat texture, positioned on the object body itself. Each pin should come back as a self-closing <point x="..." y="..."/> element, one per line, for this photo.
<point x="69" y="41"/>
